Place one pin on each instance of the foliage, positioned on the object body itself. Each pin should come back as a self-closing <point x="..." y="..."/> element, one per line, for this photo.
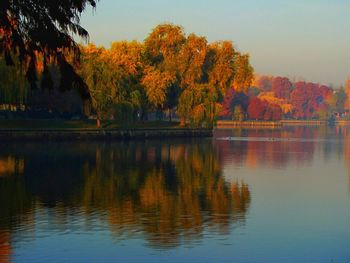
<point x="263" y="82"/>
<point x="13" y="84"/>
<point x="243" y="77"/>
<point x="163" y="45"/>
<point x="161" y="51"/>
<point x="156" y="84"/>
<point x="99" y="77"/>
<point x="307" y="99"/>
<point x="231" y="100"/>
<point x="269" y="96"/>
<point x="168" y="71"/>
<point x="220" y="63"/>
<point x="301" y="100"/>
<point x="282" y="87"/>
<point x="260" y="109"/>
<point x="238" y="113"/>
<point x="256" y="109"/>
<point x="29" y="29"/>
<point x="339" y="100"/>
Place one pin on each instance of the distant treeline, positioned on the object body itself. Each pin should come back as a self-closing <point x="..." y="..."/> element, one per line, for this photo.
<point x="169" y="73"/>
<point x="275" y="98"/>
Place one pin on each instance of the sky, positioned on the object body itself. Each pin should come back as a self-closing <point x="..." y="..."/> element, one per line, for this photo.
<point x="301" y="39"/>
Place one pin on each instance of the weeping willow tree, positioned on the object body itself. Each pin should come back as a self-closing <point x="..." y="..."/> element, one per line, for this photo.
<point x="46" y="28"/>
<point x="13" y="84"/>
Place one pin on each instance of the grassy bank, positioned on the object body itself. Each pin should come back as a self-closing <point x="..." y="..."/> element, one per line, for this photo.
<point x="53" y="130"/>
<point x="81" y="124"/>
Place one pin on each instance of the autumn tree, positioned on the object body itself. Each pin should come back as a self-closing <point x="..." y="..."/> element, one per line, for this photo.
<point x="263" y="82"/>
<point x="273" y="112"/>
<point x="116" y="81"/>
<point x="256" y="109"/>
<point x="269" y="96"/>
<point x="168" y="70"/>
<point x="156" y="84"/>
<point x="200" y="64"/>
<point x="126" y="59"/>
<point x="307" y="99"/>
<point x="191" y="60"/>
<point x="161" y="51"/>
<point x="259" y="109"/>
<point x="282" y="87"/>
<point x="243" y="76"/>
<point x="220" y="65"/>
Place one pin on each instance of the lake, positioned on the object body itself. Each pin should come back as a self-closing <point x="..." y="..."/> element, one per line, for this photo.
<point x="258" y="195"/>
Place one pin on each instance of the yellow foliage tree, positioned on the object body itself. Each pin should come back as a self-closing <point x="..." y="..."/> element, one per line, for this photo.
<point x="271" y="99"/>
<point x="243" y="76"/>
<point x="156" y="84"/>
<point x="221" y="59"/>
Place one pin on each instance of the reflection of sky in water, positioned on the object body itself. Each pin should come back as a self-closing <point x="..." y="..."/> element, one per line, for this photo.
<point x="170" y="201"/>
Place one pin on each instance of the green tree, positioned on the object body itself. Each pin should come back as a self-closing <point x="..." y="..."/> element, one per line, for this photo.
<point x="337" y="100"/>
<point x="324" y="114"/>
<point x="238" y="114"/>
<point x="13" y="84"/>
<point x="127" y="59"/>
<point x="100" y="79"/>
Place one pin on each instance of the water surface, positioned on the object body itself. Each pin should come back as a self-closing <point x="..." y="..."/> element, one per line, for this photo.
<point x="244" y="196"/>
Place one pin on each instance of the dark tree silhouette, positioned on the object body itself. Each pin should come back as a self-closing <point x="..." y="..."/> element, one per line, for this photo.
<point x="232" y="99"/>
<point x="47" y="27"/>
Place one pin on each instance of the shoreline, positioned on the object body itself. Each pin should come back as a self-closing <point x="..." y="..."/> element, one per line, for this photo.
<point x="110" y="134"/>
<point x="101" y="134"/>
<point x="275" y="124"/>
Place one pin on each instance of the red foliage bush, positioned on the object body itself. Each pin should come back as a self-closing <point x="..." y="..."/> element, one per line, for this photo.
<point x="261" y="110"/>
<point x="256" y="109"/>
<point x="308" y="98"/>
<point x="282" y="87"/>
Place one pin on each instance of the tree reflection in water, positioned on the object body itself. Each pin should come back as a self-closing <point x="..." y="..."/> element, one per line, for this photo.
<point x="279" y="148"/>
<point x="5" y="247"/>
<point x="168" y="192"/>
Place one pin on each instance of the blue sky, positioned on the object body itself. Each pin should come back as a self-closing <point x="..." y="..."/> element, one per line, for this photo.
<point x="307" y="39"/>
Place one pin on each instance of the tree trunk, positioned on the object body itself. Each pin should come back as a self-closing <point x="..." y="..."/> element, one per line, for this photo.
<point x="169" y="111"/>
<point x="182" y="122"/>
<point x="98" y="123"/>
